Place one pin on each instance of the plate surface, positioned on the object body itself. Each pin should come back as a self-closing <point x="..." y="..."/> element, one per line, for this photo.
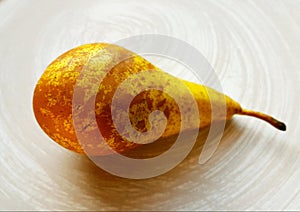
<point x="254" y="47"/>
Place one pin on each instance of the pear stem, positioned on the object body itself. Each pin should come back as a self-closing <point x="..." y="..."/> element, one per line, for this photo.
<point x="274" y="122"/>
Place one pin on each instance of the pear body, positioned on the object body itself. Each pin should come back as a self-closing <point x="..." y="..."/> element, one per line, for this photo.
<point x="80" y="69"/>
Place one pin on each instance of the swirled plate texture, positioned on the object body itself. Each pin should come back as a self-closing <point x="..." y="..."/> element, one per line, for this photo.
<point x="253" y="46"/>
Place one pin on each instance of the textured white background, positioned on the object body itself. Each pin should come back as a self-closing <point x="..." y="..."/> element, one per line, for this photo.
<point x="254" y="47"/>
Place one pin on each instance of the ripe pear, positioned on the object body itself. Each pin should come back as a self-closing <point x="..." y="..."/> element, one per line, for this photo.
<point x="54" y="95"/>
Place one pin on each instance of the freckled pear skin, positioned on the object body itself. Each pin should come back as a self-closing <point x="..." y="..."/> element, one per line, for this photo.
<point x="53" y="96"/>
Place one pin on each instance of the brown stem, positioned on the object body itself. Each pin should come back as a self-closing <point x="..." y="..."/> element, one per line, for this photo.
<point x="274" y="122"/>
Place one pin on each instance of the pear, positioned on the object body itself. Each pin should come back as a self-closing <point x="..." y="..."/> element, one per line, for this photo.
<point x="80" y="69"/>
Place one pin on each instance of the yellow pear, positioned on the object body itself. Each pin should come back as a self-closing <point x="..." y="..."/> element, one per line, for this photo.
<point x="80" y="70"/>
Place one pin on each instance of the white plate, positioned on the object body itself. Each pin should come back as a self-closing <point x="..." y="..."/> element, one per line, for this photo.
<point x="254" y="47"/>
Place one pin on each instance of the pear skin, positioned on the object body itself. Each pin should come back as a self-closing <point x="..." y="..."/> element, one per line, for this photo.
<point x="53" y="98"/>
